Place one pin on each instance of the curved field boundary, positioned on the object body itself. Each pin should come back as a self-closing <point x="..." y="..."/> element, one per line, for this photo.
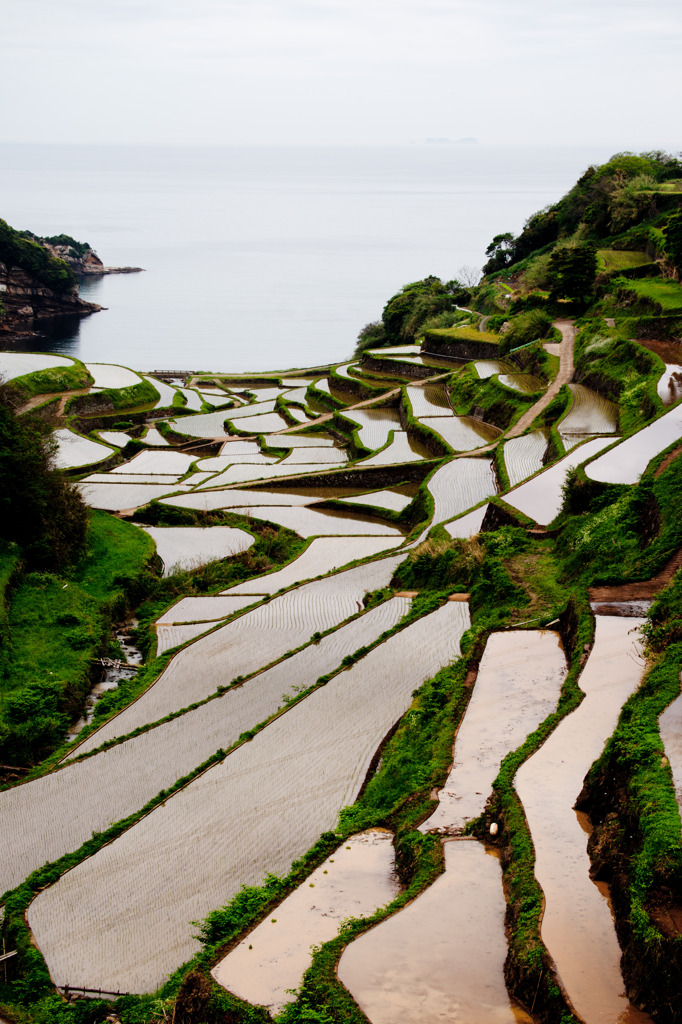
<point x="43" y="820"/>
<point x="253" y="639"/>
<point x="254" y="813"/>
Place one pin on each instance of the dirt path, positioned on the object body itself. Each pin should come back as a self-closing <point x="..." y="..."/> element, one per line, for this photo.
<point x="643" y="590"/>
<point x="38" y="400"/>
<point x="564" y="376"/>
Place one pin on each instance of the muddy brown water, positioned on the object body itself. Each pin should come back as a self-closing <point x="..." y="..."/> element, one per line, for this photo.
<point x="671" y="733"/>
<point x="518" y="685"/>
<point x="427" y="963"/>
<point x="577" y="926"/>
<point x="270" y="961"/>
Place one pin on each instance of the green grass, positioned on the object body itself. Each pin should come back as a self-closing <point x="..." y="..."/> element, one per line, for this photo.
<point x="620" y="259"/>
<point x="55" y="626"/>
<point x="465" y="334"/>
<point x="667" y="293"/>
<point x="52" y="379"/>
<point x="117" y="554"/>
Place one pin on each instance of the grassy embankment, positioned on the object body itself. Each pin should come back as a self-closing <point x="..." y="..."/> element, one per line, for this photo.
<point x="57" y="626"/>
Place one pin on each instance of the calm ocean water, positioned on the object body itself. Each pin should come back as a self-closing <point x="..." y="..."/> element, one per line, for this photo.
<point x="262" y="258"/>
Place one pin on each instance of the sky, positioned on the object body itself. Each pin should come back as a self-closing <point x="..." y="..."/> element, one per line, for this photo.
<point x="198" y="72"/>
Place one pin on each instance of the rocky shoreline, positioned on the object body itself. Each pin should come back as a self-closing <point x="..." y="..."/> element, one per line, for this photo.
<point x="26" y="300"/>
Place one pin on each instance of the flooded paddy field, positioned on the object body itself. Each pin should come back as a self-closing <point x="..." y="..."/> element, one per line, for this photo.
<point x="374" y="425"/>
<point x="523" y="455"/>
<point x="626" y="462"/>
<point x="41" y="819"/>
<point x="429" y="400"/>
<point x="518" y="685"/>
<point x="401" y="448"/>
<point x="671" y="733"/>
<point x="254" y="813"/>
<point x="253" y="663"/>
<point x="462" y="433"/>
<point x="270" y="961"/>
<point x="186" y="547"/>
<point x="577" y="925"/>
<point x="308" y="522"/>
<point x="249" y="642"/>
<point x="74" y="451"/>
<point x="540" y="498"/>
<point x="427" y="962"/>
<point x="589" y="414"/>
<point x="459" y="484"/>
<point x="322" y="555"/>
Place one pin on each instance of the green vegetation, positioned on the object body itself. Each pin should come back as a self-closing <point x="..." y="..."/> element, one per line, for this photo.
<point x="39" y="508"/>
<point x="33" y="259"/>
<point x="77" y="248"/>
<point x="619" y="369"/>
<point x="56" y="626"/>
<point x="613" y="260"/>
<point x="666" y="294"/>
<point x="498" y="405"/>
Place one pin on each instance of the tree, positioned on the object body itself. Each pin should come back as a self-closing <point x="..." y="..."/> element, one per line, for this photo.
<point x="673" y="241"/>
<point x="572" y="271"/>
<point x="500" y="253"/>
<point x="39" y="508"/>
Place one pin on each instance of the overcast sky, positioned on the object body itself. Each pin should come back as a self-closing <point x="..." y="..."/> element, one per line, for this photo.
<point x="341" y="71"/>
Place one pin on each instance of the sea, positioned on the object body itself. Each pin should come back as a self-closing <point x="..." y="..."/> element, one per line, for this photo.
<point x="262" y="258"/>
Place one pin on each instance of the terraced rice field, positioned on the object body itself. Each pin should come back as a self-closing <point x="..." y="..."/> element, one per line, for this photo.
<point x="526" y="383"/>
<point x="401" y="448"/>
<point x="308" y="522"/>
<point x="590" y="413"/>
<point x="193" y="852"/>
<point x="166" y="392"/>
<point x="459" y="484"/>
<point x="489" y="367"/>
<point x="540" y="499"/>
<point x="187" y="547"/>
<point x="391" y="500"/>
<point x="171" y="636"/>
<point x="131" y="478"/>
<point x="208" y="424"/>
<point x="109" y="375"/>
<point x="670" y="384"/>
<point x="249" y="642"/>
<point x="116" y="437"/>
<point x="270" y="961"/>
<point x="192" y="397"/>
<point x="462" y="433"/>
<point x="203" y="609"/>
<point x="252" y="409"/>
<point x="577" y="925"/>
<point x="323" y="555"/>
<point x="153" y="437"/>
<point x="626" y="462"/>
<point x="427" y="962"/>
<point x="18" y="364"/>
<point x="671" y="733"/>
<point x="298" y="440"/>
<point x="374" y="425"/>
<point x="429" y="400"/>
<point x="162" y="463"/>
<point x="315" y="456"/>
<point x="467" y="525"/>
<point x="115" y="497"/>
<point x="120" y="780"/>
<point x="73" y="450"/>
<point x="216" y="398"/>
<point x="523" y="455"/>
<point x="518" y="685"/>
<point x="259" y="424"/>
